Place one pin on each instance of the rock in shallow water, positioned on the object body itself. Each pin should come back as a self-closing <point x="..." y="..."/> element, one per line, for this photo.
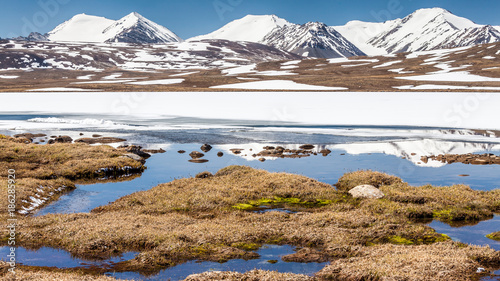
<point x="206" y="148"/>
<point x="196" y="154"/>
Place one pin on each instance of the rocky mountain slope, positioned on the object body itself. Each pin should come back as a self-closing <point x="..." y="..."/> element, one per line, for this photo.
<point x="312" y="39"/>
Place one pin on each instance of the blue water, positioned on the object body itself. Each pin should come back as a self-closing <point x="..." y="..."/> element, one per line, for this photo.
<point x="172" y="165"/>
<point x="51" y="257"/>
<point x="471" y="234"/>
<point x="268" y="252"/>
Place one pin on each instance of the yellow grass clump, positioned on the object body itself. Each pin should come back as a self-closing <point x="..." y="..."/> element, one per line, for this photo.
<point x="44" y="172"/>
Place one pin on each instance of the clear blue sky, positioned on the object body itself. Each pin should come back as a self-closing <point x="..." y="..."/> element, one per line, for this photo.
<point x="189" y="18"/>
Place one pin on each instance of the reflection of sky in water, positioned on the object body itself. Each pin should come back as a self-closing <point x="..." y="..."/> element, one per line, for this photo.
<point x="58" y="258"/>
<point x="269" y="252"/>
<point x="49" y="257"/>
<point x="472" y="234"/>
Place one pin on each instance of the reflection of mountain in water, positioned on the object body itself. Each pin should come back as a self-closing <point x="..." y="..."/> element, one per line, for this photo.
<point x="412" y="150"/>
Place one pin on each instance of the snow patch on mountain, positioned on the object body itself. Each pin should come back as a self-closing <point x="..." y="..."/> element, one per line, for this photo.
<point x="81" y="28"/>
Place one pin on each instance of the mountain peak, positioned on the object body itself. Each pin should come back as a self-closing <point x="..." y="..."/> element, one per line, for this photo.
<point x="435" y="10"/>
<point x="134" y="15"/>
<point x="439" y="15"/>
<point x="312" y="39"/>
<point x="315" y="25"/>
<point x="252" y="28"/>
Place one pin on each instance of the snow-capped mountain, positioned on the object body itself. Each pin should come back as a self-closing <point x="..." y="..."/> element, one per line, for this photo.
<point x="249" y="28"/>
<point x="132" y="28"/>
<point x="308" y="40"/>
<point x="425" y="29"/>
<point x="312" y="39"/>
<point x="135" y="28"/>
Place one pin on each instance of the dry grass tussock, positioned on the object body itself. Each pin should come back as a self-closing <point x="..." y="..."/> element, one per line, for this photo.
<point x="208" y="219"/>
<point x="257" y="275"/>
<point x="440" y="262"/>
<point x="494" y="236"/>
<point x="457" y="203"/>
<point x="232" y="187"/>
<point x="66" y="160"/>
<point x="33" y="193"/>
<point x="351" y="180"/>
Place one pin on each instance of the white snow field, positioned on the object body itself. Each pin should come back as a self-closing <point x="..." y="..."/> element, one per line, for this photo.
<point x="158" y="82"/>
<point x="445" y="87"/>
<point x="8" y="76"/>
<point x="461" y="76"/>
<point x="277" y="85"/>
<point x="450" y="110"/>
<point x="61" y="89"/>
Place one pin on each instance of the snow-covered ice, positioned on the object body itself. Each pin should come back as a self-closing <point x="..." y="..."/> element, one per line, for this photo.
<point x="421" y="109"/>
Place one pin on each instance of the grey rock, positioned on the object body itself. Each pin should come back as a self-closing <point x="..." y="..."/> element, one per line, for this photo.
<point x="366" y="191"/>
